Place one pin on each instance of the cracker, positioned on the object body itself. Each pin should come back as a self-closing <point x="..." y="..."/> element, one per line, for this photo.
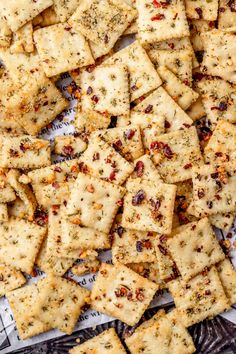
<point x="132" y="29"/>
<point x="120" y="292"/>
<point x="65" y="171"/>
<point x="213" y="189"/>
<point x="219" y="99"/>
<point x="104" y="162"/>
<point x="22" y="302"/>
<point x="145" y="169"/>
<point x="227" y="276"/>
<point x="86" y="267"/>
<point x="196" y="28"/>
<point x="36" y="105"/>
<point x="5" y="34"/>
<point x="219" y="57"/>
<point x="60" y="303"/>
<point x="65" y="8"/>
<point x="55" y="193"/>
<point x="24" y="152"/>
<point x="177" y="44"/>
<point x="161" y="332"/>
<point x="23" y="192"/>
<point x="61" y="48"/>
<point x="196" y="110"/>
<point x="222" y="144"/>
<point x="160" y="103"/>
<point x="149" y="271"/>
<point x="195" y="248"/>
<point x="23" y="68"/>
<point x="19" y="13"/>
<point x="151" y="125"/>
<point x="106" y="89"/>
<point x="222" y="221"/>
<point x="107" y="343"/>
<point x="10" y="279"/>
<point x="149" y="206"/>
<point x="181" y="93"/>
<point x="89" y="121"/>
<point x="206" y="10"/>
<point x="23" y="39"/>
<point x="69" y="145"/>
<point x="181" y="341"/>
<point x="227" y="16"/>
<point x="200" y="298"/>
<point x="157" y="24"/>
<point x="178" y="61"/>
<point x="51" y="184"/>
<point x="149" y="339"/>
<point x="7" y="88"/>
<point x="175" y="154"/>
<point x="97" y="51"/>
<point x="172" y="43"/>
<point x="127" y="141"/>
<point x="142" y="74"/>
<point x="54" y="241"/>
<point x="53" y="265"/>
<point x="20" y="243"/>
<point x="131" y="246"/>
<point x="167" y="267"/>
<point x="8" y="126"/>
<point x="95" y="209"/>
<point x="144" y="120"/>
<point x="114" y="17"/>
<point x="7" y="193"/>
<point x="149" y="323"/>
<point x="75" y="236"/>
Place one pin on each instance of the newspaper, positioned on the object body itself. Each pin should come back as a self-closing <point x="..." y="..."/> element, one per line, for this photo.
<point x="9" y="339"/>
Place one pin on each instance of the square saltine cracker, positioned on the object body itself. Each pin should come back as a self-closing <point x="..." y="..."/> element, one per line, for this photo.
<point x="104" y="162"/>
<point x="142" y="74"/>
<point x="214" y="189"/>
<point x="131" y="246"/>
<point x="200" y="298"/>
<point x="22" y="302"/>
<point x="149" y="206"/>
<point x="122" y="293"/>
<point x="106" y="89"/>
<point x="127" y="141"/>
<point x="221" y="147"/>
<point x="107" y="342"/>
<point x="114" y="17"/>
<point x="178" y="61"/>
<point x="62" y="48"/>
<point x="24" y="152"/>
<point x="10" y="279"/>
<point x="159" y="23"/>
<point x="195" y="248"/>
<point x="175" y="154"/>
<point x="17" y="13"/>
<point x="95" y="202"/>
<point x="180" y="92"/>
<point x="219" y="99"/>
<point x="206" y="10"/>
<point x="20" y="243"/>
<point x="60" y="303"/>
<point x="219" y="57"/>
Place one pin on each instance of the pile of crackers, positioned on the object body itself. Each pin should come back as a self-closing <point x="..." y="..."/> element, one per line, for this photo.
<point x="148" y="173"/>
